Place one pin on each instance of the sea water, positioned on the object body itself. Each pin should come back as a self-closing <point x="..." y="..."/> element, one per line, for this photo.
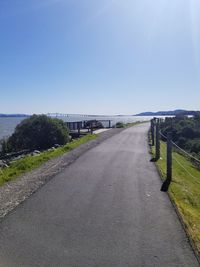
<point x="8" y="124"/>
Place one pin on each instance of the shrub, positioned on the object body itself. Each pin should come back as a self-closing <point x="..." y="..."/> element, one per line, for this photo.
<point x="185" y="132"/>
<point x="38" y="132"/>
<point x="120" y="125"/>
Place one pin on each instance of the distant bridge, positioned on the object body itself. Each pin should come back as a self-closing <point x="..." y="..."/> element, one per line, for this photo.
<point x="72" y="115"/>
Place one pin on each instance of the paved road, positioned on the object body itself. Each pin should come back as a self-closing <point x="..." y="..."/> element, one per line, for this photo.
<point x="104" y="210"/>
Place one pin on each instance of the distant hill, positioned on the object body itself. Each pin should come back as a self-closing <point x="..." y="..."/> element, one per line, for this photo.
<point x="167" y="113"/>
<point x="13" y="115"/>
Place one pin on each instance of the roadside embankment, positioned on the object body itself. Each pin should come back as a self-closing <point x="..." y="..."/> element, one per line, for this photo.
<point x="184" y="192"/>
<point x="12" y="193"/>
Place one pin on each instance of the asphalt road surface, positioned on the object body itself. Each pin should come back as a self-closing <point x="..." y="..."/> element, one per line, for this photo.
<point x="105" y="209"/>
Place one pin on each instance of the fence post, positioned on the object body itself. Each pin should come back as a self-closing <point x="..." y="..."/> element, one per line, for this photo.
<point x="167" y="182"/>
<point x="157" y="141"/>
<point x="152" y="132"/>
<point x="169" y="157"/>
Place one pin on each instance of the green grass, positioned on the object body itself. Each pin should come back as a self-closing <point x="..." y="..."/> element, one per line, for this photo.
<point x="31" y="162"/>
<point x="184" y="191"/>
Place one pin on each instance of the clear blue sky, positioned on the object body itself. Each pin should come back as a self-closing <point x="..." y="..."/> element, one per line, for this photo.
<point x="99" y="57"/>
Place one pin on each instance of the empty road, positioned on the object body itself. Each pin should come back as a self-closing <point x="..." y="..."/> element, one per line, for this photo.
<point x="105" y="209"/>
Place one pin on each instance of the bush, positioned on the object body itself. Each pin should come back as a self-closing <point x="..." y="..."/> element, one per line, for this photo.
<point x="182" y="141"/>
<point x="193" y="146"/>
<point x="38" y="132"/>
<point x="188" y="132"/>
<point x="120" y="125"/>
<point x="3" y="147"/>
<point x="185" y="132"/>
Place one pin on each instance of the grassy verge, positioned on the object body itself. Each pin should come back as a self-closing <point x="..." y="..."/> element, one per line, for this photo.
<point x="184" y="191"/>
<point x="31" y="162"/>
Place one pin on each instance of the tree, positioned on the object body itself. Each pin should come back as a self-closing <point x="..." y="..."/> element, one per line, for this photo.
<point x="188" y="132"/>
<point x="38" y="132"/>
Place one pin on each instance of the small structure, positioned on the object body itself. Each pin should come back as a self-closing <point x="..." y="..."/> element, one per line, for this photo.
<point x="77" y="128"/>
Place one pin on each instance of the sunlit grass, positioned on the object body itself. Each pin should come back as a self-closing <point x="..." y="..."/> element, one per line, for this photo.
<point x="31" y="162"/>
<point x="184" y="191"/>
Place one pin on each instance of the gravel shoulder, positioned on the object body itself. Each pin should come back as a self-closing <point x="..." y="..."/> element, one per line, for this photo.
<point x="15" y="192"/>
